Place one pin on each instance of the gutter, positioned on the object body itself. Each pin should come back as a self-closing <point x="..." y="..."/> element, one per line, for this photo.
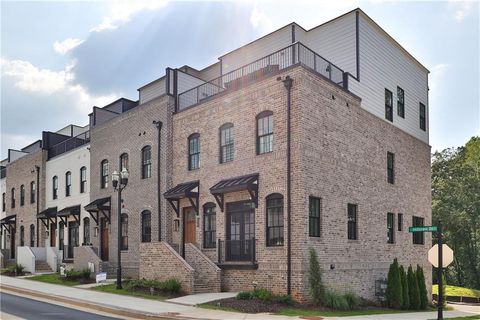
<point x="158" y="124"/>
<point x="37" y="168"/>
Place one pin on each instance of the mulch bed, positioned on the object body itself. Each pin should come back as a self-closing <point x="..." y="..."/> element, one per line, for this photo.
<point x="250" y="306"/>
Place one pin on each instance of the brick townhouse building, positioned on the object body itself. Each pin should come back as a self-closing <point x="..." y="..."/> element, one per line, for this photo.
<point x="300" y="139"/>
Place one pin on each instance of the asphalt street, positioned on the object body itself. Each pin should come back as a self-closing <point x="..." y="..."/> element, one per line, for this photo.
<point x="29" y="309"/>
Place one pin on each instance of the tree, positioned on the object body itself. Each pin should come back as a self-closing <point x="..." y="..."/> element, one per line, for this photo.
<point x="405" y="296"/>
<point x="394" y="286"/>
<point x="413" y="292"/>
<point x="422" y="288"/>
<point x="317" y="289"/>
<point x="456" y="200"/>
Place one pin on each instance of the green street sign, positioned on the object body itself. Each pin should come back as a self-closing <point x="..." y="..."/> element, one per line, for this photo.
<point x="423" y="229"/>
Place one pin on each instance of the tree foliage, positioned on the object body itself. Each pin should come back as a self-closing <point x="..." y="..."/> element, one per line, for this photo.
<point x="394" y="286"/>
<point x="413" y="292"/>
<point x="422" y="288"/>
<point x="317" y="288"/>
<point x="405" y="296"/>
<point x="456" y="201"/>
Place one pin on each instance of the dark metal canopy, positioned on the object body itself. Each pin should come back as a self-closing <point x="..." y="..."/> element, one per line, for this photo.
<point x="189" y="190"/>
<point x="9" y="222"/>
<point x="247" y="182"/>
<point x="69" y="211"/>
<point x="100" y="205"/>
<point x="49" y="214"/>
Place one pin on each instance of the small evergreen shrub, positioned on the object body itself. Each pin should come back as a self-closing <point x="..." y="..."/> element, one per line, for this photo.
<point x="353" y="300"/>
<point x="317" y="289"/>
<point x="422" y="288"/>
<point x="244" y="295"/>
<point x="262" y="294"/>
<point x="413" y="292"/>
<point x="335" y="301"/>
<point x="406" y="297"/>
<point x="394" y="286"/>
<point x="285" y="299"/>
<point x="172" y="286"/>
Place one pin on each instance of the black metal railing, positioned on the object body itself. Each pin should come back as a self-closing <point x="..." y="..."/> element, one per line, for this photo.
<point x="69" y="144"/>
<point x="237" y="251"/>
<point x="296" y="53"/>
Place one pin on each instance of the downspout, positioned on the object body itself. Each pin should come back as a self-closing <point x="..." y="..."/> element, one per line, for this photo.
<point x="158" y="124"/>
<point x="37" y="168"/>
<point x="288" y="82"/>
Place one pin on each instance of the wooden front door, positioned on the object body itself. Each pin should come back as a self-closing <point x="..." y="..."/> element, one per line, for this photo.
<point x="53" y="235"/>
<point x="190" y="225"/>
<point x="104" y="239"/>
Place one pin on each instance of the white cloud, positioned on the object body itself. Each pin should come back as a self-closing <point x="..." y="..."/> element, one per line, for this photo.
<point x="66" y="45"/>
<point x="122" y="10"/>
<point x="259" y="19"/>
<point x="462" y="8"/>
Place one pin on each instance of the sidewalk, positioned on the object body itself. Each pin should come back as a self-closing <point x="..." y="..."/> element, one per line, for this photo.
<point x="162" y="309"/>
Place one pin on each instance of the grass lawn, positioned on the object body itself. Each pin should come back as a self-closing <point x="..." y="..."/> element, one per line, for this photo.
<point x="467" y="317"/>
<point x="454" y="291"/>
<point x="54" y="278"/>
<point x="112" y="288"/>
<point x="348" y="313"/>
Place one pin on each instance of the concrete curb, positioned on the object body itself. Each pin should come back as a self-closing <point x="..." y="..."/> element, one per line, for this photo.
<point x="88" y="305"/>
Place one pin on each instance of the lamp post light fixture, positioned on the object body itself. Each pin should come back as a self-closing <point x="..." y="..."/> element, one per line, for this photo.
<point x="119" y="182"/>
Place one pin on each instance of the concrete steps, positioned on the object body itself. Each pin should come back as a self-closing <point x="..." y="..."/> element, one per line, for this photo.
<point x="42" y="267"/>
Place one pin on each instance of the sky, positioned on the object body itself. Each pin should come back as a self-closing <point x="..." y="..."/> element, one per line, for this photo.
<point x="61" y="58"/>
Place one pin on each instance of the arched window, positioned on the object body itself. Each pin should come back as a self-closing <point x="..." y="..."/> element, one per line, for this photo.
<point x="32" y="235"/>
<point x="55" y="187"/>
<point x="227" y="147"/>
<point x="124" y="223"/>
<point x="22" y="195"/>
<point x="265" y="132"/>
<point x="83" y="179"/>
<point x="33" y="191"/>
<point x="124" y="161"/>
<point x="194" y="151"/>
<point x="104" y="174"/>
<point x="209" y="226"/>
<point x="86" y="231"/>
<point x="13" y="198"/>
<point x="22" y="236"/>
<point x="146" y="162"/>
<point x="68" y="184"/>
<point x="274" y="205"/>
<point x="146" y="226"/>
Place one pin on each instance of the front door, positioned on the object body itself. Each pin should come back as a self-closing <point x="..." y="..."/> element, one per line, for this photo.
<point x="240" y="231"/>
<point x="190" y="225"/>
<point x="61" y="235"/>
<point x="72" y="238"/>
<point x="12" y="243"/>
<point x="104" y="239"/>
<point x="53" y="234"/>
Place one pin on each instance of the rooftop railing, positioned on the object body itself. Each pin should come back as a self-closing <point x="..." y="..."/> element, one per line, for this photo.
<point x="69" y="144"/>
<point x="3" y="172"/>
<point x="296" y="53"/>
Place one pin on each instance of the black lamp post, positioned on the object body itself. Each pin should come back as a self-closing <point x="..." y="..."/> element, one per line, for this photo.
<point x="119" y="181"/>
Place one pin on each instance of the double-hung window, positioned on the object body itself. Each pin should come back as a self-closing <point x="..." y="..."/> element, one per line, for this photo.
<point x="265" y="132"/>
<point x="146" y="226"/>
<point x="390" y="167"/>
<point x="68" y="184"/>
<point x="388" y="105"/>
<point x="423" y="117"/>
<point x="275" y="220"/>
<point x="33" y="191"/>
<point x="104" y="174"/>
<point x="418" y="237"/>
<point x="194" y="151"/>
<point x="227" y="148"/>
<point x="400" y="102"/>
<point x="83" y="179"/>
<point x="146" y="162"/>
<point x="390" y="228"/>
<point x="209" y="225"/>
<point x="22" y="195"/>
<point x="352" y="221"/>
<point x="54" y="187"/>
<point x="314" y="212"/>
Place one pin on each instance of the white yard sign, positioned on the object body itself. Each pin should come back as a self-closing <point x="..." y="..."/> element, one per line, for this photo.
<point x="101" y="277"/>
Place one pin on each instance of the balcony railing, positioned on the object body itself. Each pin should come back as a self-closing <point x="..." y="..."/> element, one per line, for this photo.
<point x="294" y="54"/>
<point x="3" y="172"/>
<point x="237" y="251"/>
<point x="69" y="144"/>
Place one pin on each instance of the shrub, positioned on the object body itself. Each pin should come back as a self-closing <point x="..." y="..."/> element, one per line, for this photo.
<point x="422" y="288"/>
<point x="85" y="274"/>
<point x="14" y="270"/>
<point x="335" y="301"/>
<point x="413" y="292"/>
<point x="171" y="286"/>
<point x="18" y="269"/>
<point x="262" y="294"/>
<point x="353" y="300"/>
<point x="406" y="297"/>
<point x="244" y="295"/>
<point x="317" y="289"/>
<point x="285" y="299"/>
<point x="394" y="286"/>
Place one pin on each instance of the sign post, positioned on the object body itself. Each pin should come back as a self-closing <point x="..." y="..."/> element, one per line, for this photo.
<point x="440" y="271"/>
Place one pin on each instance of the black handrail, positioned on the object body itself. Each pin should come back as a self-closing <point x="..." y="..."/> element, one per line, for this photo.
<point x="69" y="144"/>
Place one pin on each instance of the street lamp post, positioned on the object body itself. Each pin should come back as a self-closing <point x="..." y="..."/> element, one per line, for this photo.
<point x="119" y="181"/>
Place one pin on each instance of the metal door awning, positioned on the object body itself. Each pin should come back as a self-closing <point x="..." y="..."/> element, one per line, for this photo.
<point x="9" y="222"/>
<point x="48" y="215"/>
<point x="102" y="205"/>
<point x="69" y="211"/>
<point x="189" y="190"/>
<point x="247" y="182"/>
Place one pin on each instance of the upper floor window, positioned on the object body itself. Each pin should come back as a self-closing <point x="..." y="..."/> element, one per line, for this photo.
<point x="400" y="102"/>
<point x="55" y="187"/>
<point x="22" y="236"/>
<point x="209" y="225"/>
<point x="314" y="210"/>
<point x="12" y="198"/>
<point x="146" y="226"/>
<point x="390" y="167"/>
<point x="400" y="222"/>
<point x="22" y="195"/>
<point x="227" y="148"/>
<point x="390" y="228"/>
<point x="275" y="220"/>
<point x="33" y="191"/>
<point x="423" y="117"/>
<point x="146" y="162"/>
<point x="86" y="231"/>
<point x="388" y="105"/>
<point x="32" y="235"/>
<point x="265" y="132"/>
<point x="104" y="174"/>
<point x="418" y="237"/>
<point x="352" y="221"/>
<point x="124" y="223"/>
<point x="83" y="179"/>
<point x="4" y="202"/>
<point x="194" y="151"/>
<point x="68" y="184"/>
<point x="124" y="161"/>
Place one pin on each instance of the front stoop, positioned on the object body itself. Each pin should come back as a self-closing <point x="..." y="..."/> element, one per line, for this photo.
<point x="42" y="267"/>
<point x="207" y="277"/>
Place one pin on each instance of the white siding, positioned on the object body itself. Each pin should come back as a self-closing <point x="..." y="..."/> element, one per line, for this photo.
<point x="152" y="90"/>
<point x="187" y="82"/>
<point x="258" y="49"/>
<point x="211" y="72"/>
<point x="15" y="154"/>
<point x="384" y="65"/>
<point x="71" y="161"/>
